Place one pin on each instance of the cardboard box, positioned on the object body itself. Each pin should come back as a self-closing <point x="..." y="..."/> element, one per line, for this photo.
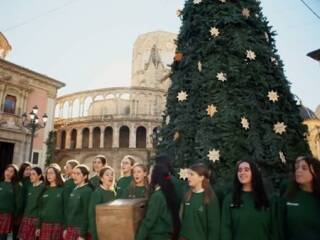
<point x="119" y="219"/>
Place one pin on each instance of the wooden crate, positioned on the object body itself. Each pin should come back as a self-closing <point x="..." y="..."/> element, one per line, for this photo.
<point x="119" y="219"/>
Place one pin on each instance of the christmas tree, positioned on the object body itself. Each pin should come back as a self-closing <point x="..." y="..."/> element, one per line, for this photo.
<point x="229" y="99"/>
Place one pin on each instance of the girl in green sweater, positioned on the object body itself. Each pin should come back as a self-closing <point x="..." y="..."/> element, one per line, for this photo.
<point x="7" y="199"/>
<point x="246" y="212"/>
<point x="78" y="206"/>
<point x="161" y="221"/>
<point x="139" y="186"/>
<point x="300" y="206"/>
<point x="21" y="196"/>
<point x="103" y="194"/>
<point x="98" y="163"/>
<point x="126" y="170"/>
<point x="50" y="225"/>
<point x="27" y="230"/>
<point x="200" y="209"/>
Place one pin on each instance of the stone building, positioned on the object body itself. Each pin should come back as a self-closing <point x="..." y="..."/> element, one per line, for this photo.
<point x="118" y="121"/>
<point x="20" y="90"/>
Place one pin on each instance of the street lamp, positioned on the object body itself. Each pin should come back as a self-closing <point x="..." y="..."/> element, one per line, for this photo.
<point x="33" y="124"/>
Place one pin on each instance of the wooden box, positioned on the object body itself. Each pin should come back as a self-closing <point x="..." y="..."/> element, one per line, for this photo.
<point x="119" y="219"/>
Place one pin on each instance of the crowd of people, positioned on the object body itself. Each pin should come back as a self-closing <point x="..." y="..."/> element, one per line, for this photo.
<point x="47" y="206"/>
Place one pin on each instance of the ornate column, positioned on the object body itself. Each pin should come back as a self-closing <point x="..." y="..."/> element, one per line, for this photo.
<point x="68" y="138"/>
<point x="102" y="137"/>
<point x="115" y="137"/>
<point x="79" y="138"/>
<point x="90" y="136"/>
<point x="132" y="137"/>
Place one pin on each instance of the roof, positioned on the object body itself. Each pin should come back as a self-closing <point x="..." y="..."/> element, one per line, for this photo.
<point x="315" y="54"/>
<point x="30" y="73"/>
<point x="307" y="113"/>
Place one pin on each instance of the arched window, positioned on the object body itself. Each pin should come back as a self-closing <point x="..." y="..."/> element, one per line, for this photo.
<point x="73" y="143"/>
<point x="85" y="138"/>
<point x="124" y="137"/>
<point x="141" y="137"/>
<point x="63" y="140"/>
<point x="10" y="104"/>
<point x="108" y="132"/>
<point x="96" y="137"/>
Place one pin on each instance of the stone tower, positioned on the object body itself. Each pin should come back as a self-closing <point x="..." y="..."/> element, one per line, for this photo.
<point x="152" y="53"/>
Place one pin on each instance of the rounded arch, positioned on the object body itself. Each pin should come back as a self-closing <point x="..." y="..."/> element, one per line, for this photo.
<point x="86" y="105"/>
<point x="73" y="139"/>
<point x="96" y="137"/>
<point x="63" y="140"/>
<point x="124" y="134"/>
<point x="155" y="132"/>
<point x="65" y="109"/>
<point x="75" y="108"/>
<point x="108" y="137"/>
<point x="85" y="138"/>
<point x="141" y="137"/>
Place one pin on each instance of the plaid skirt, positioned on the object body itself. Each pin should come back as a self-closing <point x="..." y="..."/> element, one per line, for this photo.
<point x="27" y="230"/>
<point x="51" y="231"/>
<point x="5" y="223"/>
<point x="72" y="233"/>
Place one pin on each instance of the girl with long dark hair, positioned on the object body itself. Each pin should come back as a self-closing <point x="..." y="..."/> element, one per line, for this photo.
<point x="27" y="230"/>
<point x="78" y="206"/>
<point x="200" y="210"/>
<point x="103" y="194"/>
<point x="180" y="186"/>
<point x="51" y="218"/>
<point x="246" y="212"/>
<point x="139" y="186"/>
<point x="162" y="217"/>
<point x="126" y="176"/>
<point x="300" y="208"/>
<point x="98" y="163"/>
<point x="7" y="199"/>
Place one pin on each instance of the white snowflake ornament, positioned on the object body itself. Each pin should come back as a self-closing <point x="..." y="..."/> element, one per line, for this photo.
<point x="214" y="32"/>
<point x="221" y="76"/>
<point x="214" y="155"/>
<point x="251" y="55"/>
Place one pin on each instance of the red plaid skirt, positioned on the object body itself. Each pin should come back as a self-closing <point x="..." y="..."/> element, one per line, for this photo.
<point x="51" y="231"/>
<point x="27" y="230"/>
<point x="73" y="233"/>
<point x="5" y="223"/>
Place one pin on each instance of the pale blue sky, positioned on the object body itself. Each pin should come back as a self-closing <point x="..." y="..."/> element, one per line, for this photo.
<point x="88" y="44"/>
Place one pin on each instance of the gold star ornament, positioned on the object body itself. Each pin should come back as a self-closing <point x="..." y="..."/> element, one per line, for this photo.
<point x="212" y="110"/>
<point x="282" y="157"/>
<point x="214" y="155"/>
<point x="273" y="96"/>
<point x="176" y="136"/>
<point x="279" y="128"/>
<point x="182" y="96"/>
<point x="199" y="66"/>
<point x="183" y="173"/>
<point x="221" y="76"/>
<point x="214" y="32"/>
<point x="245" y="123"/>
<point x="246" y="12"/>
<point x="251" y="55"/>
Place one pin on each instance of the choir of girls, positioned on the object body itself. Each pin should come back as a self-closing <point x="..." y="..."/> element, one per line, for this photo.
<point x="45" y="206"/>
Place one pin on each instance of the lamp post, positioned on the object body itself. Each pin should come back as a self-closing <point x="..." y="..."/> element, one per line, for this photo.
<point x="33" y="124"/>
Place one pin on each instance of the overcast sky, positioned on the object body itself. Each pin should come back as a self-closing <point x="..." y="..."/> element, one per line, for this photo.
<point x="88" y="44"/>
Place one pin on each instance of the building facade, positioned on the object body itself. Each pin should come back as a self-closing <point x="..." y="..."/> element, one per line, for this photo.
<point x="20" y="90"/>
<point x="120" y="121"/>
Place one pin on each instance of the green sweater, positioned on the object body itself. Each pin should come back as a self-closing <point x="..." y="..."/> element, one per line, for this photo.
<point x="157" y="224"/>
<point x="245" y="222"/>
<point x="78" y="208"/>
<point x="7" y="197"/>
<point x="95" y="181"/>
<point x="21" y="195"/>
<point x="301" y="217"/>
<point x="51" y="206"/>
<point x="33" y="201"/>
<point x="122" y="185"/>
<point x="68" y="186"/>
<point x="137" y="192"/>
<point x="200" y="221"/>
<point x="99" y="196"/>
